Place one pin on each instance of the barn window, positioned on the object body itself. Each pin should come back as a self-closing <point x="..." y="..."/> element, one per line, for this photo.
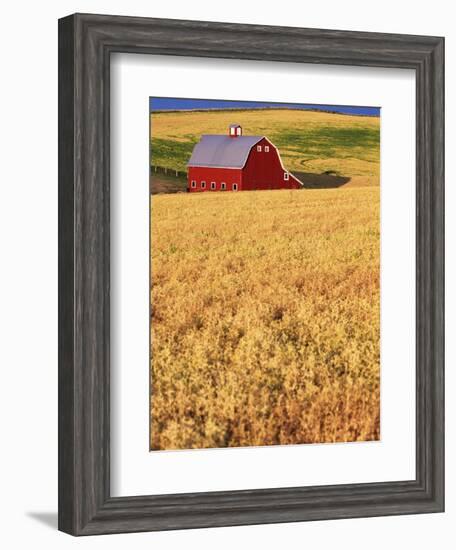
<point x="259" y="148"/>
<point x="266" y="148"/>
<point x="193" y="183"/>
<point x="234" y="186"/>
<point x="223" y="186"/>
<point x="203" y="185"/>
<point x="286" y="176"/>
<point x="238" y="131"/>
<point x="212" y="185"/>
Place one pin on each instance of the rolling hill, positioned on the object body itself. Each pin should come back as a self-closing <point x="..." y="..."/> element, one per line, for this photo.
<point x="319" y="147"/>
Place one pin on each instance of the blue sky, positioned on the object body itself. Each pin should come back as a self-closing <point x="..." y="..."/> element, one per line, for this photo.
<point x="175" y="103"/>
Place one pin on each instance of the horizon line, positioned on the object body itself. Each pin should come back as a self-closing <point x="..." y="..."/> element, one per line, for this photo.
<point x="173" y="104"/>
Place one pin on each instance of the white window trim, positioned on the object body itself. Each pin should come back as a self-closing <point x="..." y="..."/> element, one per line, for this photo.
<point x="213" y="185"/>
<point x="203" y="185"/>
<point x="235" y="186"/>
<point x="238" y="131"/>
<point x="286" y="176"/>
<point x="193" y="184"/>
<point x="223" y="186"/>
<point x="266" y="148"/>
<point x="259" y="148"/>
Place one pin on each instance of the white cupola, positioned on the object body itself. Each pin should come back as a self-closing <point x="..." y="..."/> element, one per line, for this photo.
<point x="235" y="130"/>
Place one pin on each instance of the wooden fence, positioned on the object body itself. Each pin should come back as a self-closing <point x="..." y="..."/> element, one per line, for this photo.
<point x="167" y="171"/>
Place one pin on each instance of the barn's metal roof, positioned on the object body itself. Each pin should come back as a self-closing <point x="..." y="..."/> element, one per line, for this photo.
<point x="222" y="151"/>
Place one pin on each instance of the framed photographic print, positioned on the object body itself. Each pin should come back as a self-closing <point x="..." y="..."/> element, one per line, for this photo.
<point x="250" y="274"/>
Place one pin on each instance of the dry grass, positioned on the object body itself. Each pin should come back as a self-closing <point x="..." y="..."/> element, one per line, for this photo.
<point x="265" y="318"/>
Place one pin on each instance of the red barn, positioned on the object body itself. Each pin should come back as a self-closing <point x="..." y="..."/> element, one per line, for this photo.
<point x="237" y="163"/>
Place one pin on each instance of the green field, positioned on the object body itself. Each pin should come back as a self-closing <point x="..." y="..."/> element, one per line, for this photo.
<point x="311" y="143"/>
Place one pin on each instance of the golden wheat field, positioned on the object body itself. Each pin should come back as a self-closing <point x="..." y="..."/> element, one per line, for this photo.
<point x="265" y="318"/>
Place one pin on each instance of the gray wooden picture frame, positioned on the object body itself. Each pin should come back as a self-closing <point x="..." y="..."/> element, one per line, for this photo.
<point x="85" y="45"/>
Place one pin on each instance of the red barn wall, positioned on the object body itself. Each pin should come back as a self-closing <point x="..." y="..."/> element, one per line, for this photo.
<point x="218" y="175"/>
<point x="263" y="170"/>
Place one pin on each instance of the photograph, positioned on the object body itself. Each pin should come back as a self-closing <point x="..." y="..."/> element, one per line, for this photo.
<point x="264" y="273"/>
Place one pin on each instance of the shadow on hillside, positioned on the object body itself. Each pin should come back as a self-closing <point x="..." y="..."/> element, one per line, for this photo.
<point x="321" y="181"/>
<point x="161" y="183"/>
<point x="168" y="183"/>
